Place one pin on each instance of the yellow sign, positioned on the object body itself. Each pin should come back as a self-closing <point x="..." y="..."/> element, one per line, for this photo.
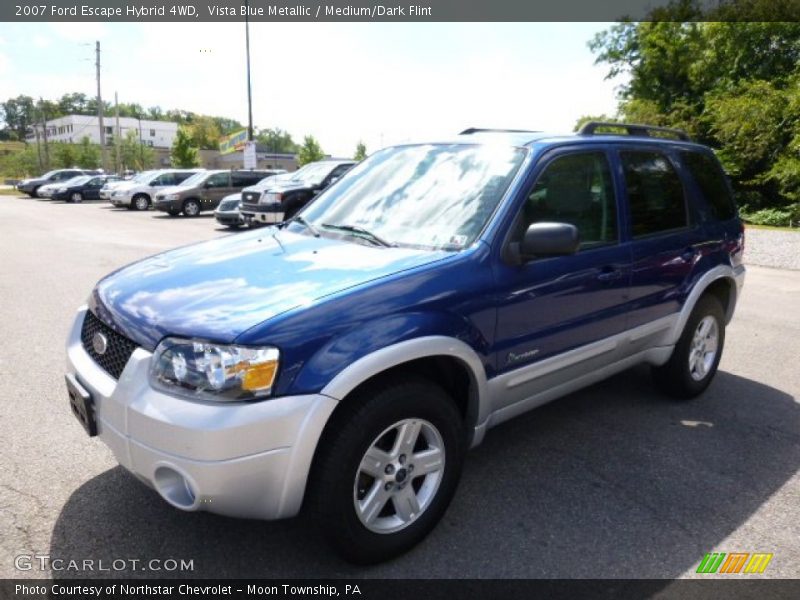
<point x="233" y="142"/>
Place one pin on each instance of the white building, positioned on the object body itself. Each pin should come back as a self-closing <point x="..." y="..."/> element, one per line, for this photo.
<point x="73" y="128"/>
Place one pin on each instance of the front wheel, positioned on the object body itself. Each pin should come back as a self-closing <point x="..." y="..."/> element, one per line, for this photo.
<point x="191" y="208"/>
<point x="386" y="469"/>
<point x="76" y="197"/>
<point x="696" y="357"/>
<point x="141" y="202"/>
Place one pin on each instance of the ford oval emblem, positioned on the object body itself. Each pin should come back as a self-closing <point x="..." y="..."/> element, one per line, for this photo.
<point x="99" y="343"/>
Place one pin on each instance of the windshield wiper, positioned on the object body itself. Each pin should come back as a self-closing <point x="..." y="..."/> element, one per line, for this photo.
<point x="360" y="231"/>
<point x="300" y="219"/>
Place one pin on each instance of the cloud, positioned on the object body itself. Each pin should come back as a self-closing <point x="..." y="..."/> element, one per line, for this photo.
<point x="40" y="41"/>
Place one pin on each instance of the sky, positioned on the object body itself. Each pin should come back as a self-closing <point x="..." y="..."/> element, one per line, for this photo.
<point x="381" y="83"/>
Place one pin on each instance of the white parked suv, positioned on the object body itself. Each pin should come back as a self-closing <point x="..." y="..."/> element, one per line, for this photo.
<point x="138" y="193"/>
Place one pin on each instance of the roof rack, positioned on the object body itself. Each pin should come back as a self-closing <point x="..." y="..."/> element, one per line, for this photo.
<point x="472" y="130"/>
<point x="591" y="127"/>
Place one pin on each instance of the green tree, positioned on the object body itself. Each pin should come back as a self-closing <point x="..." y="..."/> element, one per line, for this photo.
<point x="204" y="132"/>
<point x="64" y="155"/>
<point x="87" y="154"/>
<point x="310" y="151"/>
<point x="19" y="115"/>
<point x="133" y="154"/>
<point x="361" y="151"/>
<point x="277" y="141"/>
<point x="733" y="86"/>
<point x="183" y="153"/>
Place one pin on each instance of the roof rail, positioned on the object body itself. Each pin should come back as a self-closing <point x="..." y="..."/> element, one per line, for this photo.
<point x="472" y="130"/>
<point x="591" y="127"/>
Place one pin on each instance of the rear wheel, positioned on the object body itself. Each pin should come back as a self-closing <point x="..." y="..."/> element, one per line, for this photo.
<point x="191" y="208"/>
<point x="696" y="357"/>
<point x="386" y="469"/>
<point x="140" y="202"/>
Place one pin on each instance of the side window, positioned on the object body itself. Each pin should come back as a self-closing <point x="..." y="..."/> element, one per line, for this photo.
<point x="181" y="177"/>
<point x="575" y="189"/>
<point x="711" y="180"/>
<point x="655" y="193"/>
<point x="165" y="179"/>
<point x="218" y="180"/>
<point x="340" y="170"/>
<point x="239" y="180"/>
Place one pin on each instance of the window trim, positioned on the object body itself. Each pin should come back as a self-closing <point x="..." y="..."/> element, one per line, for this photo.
<point x="540" y="166"/>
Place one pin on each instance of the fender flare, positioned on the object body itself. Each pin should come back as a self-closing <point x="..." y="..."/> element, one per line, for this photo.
<point x="423" y="347"/>
<point x="735" y="277"/>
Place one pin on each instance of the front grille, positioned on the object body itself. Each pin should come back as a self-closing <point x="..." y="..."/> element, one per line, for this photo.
<point x="229" y="204"/>
<point x="118" y="347"/>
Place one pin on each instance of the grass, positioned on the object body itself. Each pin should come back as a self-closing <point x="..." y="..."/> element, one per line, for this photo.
<point x="10" y="192"/>
<point x="771" y="228"/>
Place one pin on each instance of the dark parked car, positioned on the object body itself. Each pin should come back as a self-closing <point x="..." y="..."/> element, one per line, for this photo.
<point x="281" y="201"/>
<point x="30" y="186"/>
<point x="83" y="188"/>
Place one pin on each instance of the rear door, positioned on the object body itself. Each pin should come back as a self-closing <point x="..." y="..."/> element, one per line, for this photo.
<point x="549" y="306"/>
<point x="666" y="239"/>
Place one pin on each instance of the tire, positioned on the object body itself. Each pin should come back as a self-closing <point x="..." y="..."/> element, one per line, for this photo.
<point x="76" y="197"/>
<point x="35" y="192"/>
<point x="694" y="362"/>
<point x="191" y="208"/>
<point x="140" y="202"/>
<point x="340" y="487"/>
<point x="173" y="212"/>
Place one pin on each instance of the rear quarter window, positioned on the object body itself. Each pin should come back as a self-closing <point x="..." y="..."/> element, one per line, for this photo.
<point x="712" y="182"/>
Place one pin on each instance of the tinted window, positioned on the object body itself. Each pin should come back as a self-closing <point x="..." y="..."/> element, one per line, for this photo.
<point x="711" y="180"/>
<point x="575" y="189"/>
<point x="245" y="179"/>
<point x="181" y="177"/>
<point x="217" y="180"/>
<point x="655" y="193"/>
<point x="165" y="179"/>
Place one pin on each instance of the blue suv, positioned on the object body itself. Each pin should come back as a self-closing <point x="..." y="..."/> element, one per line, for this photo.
<point x="345" y="360"/>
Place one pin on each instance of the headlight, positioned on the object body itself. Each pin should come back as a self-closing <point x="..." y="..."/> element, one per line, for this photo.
<point x="171" y="197"/>
<point x="216" y="372"/>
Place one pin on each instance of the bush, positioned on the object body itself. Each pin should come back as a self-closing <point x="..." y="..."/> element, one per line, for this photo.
<point x="773" y="217"/>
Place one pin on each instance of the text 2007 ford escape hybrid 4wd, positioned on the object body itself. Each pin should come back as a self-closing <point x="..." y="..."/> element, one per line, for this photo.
<point x="346" y="360"/>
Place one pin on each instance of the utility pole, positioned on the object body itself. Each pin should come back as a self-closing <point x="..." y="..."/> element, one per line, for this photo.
<point x="249" y="92"/>
<point x="141" y="145"/>
<point x="100" y="109"/>
<point x="44" y="133"/>
<point x="117" y="165"/>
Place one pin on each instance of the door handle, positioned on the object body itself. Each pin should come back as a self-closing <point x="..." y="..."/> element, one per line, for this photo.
<point x="609" y="274"/>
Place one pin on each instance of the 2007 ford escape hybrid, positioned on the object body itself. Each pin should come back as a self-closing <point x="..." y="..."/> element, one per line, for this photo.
<point x="345" y="360"/>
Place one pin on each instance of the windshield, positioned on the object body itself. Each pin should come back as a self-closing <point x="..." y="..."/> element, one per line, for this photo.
<point x="268" y="181"/>
<point x="197" y="178"/>
<point x="49" y="174"/>
<point x="79" y="180"/>
<point x="143" y="177"/>
<point x="432" y="196"/>
<point x="313" y="174"/>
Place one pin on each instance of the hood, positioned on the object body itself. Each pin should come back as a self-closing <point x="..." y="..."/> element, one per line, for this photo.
<point x="219" y="289"/>
<point x="176" y="189"/>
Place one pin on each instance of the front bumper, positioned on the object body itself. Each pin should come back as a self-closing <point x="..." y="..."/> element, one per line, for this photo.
<point x="242" y="460"/>
<point x="228" y="217"/>
<point x="168" y="205"/>
<point x="119" y="200"/>
<point x="46" y="193"/>
<point x="263" y="213"/>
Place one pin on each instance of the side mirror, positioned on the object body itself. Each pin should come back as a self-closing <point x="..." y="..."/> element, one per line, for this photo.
<point x="549" y="239"/>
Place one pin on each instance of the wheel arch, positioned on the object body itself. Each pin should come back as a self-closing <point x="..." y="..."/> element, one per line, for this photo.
<point x="446" y="361"/>
<point x="724" y="282"/>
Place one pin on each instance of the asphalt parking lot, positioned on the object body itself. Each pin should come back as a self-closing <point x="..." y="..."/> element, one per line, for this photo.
<point x="614" y="481"/>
